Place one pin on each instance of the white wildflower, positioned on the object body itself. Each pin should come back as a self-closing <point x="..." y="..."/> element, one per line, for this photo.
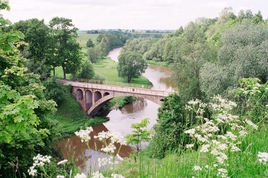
<point x="262" y="157"/>
<point x="189" y="145"/>
<point x="222" y="172"/>
<point x="197" y="168"/>
<point x="62" y="162"/>
<point x="251" y="124"/>
<point x="234" y="148"/>
<point x="204" y="148"/>
<point x="109" y="148"/>
<point x="190" y="131"/>
<point x="32" y="171"/>
<point x="84" y="135"/>
<point x="194" y="102"/>
<point x="231" y="135"/>
<point x="82" y="175"/>
<point x="39" y="160"/>
<point x="60" y="176"/>
<point x="117" y="176"/>
<point x="97" y="175"/>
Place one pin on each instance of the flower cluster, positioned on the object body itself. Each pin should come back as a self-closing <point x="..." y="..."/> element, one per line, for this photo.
<point x="84" y="134"/>
<point x="109" y="138"/>
<point x="82" y="175"/>
<point x="99" y="175"/>
<point x="213" y="140"/>
<point x="263" y="157"/>
<point x="39" y="160"/>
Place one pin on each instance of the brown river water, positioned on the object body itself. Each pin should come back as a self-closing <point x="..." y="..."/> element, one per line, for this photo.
<point x="120" y="120"/>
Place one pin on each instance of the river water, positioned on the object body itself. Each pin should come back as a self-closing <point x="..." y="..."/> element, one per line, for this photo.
<point x="120" y="119"/>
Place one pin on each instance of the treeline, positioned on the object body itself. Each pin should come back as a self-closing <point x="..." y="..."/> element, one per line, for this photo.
<point x="108" y="40"/>
<point x="209" y="56"/>
<point x="46" y="47"/>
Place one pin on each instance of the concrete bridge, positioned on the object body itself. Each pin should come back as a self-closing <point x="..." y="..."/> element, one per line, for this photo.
<point x="93" y="96"/>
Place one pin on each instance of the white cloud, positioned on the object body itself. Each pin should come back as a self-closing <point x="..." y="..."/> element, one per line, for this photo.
<point x="132" y="14"/>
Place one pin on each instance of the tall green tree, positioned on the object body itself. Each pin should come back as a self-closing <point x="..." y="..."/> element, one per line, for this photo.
<point x="90" y="43"/>
<point x="24" y="130"/>
<point x="169" y="130"/>
<point x="37" y="50"/>
<point x="130" y="65"/>
<point x="66" y="52"/>
<point x="87" y="71"/>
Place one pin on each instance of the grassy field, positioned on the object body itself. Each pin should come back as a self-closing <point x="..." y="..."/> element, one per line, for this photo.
<point x="83" y="37"/>
<point x="107" y="68"/>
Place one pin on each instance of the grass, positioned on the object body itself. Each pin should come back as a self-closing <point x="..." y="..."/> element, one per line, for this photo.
<point x="107" y="68"/>
<point x="83" y="37"/>
<point x="241" y="164"/>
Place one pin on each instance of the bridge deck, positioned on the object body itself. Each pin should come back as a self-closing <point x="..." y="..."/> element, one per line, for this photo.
<point x="116" y="88"/>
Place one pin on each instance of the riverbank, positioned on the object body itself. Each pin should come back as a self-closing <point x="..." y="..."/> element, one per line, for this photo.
<point x="71" y="118"/>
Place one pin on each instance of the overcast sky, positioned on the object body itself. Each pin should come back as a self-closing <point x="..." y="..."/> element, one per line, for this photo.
<point x="128" y="14"/>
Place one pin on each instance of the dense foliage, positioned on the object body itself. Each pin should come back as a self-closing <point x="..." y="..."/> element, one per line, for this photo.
<point x="130" y="65"/>
<point x="24" y="130"/>
<point x="169" y="131"/>
<point x="49" y="46"/>
<point x="209" y="56"/>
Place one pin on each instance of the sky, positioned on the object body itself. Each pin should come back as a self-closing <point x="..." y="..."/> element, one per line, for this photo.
<point x="128" y="14"/>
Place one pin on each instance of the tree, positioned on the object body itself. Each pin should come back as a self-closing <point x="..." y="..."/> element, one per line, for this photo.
<point x="243" y="55"/>
<point x="90" y="43"/>
<point x="24" y="130"/>
<point x="54" y="90"/>
<point x="130" y="65"/>
<point x="66" y="52"/>
<point x="169" y="130"/>
<point x="139" y="133"/>
<point x="87" y="71"/>
<point x="37" y="52"/>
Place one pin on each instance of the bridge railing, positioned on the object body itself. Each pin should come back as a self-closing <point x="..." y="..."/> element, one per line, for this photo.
<point x="119" y="88"/>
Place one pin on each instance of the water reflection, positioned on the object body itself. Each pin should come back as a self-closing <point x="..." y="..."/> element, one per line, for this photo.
<point x="134" y="107"/>
<point x="86" y="156"/>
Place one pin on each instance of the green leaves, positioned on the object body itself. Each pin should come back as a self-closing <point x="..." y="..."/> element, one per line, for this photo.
<point x="139" y="133"/>
<point x="130" y="65"/>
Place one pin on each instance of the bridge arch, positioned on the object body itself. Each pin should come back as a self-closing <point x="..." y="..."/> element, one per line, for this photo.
<point x="98" y="104"/>
<point x="97" y="96"/>
<point x="106" y="93"/>
<point x="79" y="94"/>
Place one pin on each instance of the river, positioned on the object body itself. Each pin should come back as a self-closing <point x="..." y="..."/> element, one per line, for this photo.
<point x="120" y="119"/>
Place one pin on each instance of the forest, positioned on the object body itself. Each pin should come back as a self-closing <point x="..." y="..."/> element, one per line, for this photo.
<point x="215" y="125"/>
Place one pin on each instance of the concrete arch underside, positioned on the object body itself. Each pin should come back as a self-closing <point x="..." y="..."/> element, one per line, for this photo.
<point x="99" y="103"/>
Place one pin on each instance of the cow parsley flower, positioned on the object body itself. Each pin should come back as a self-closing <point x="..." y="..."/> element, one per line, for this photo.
<point x="82" y="175"/>
<point x="197" y="168"/>
<point x="262" y="157"/>
<point x="84" y="134"/>
<point x="251" y="124"/>
<point x="117" y="176"/>
<point x="97" y="175"/>
<point x="39" y="160"/>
